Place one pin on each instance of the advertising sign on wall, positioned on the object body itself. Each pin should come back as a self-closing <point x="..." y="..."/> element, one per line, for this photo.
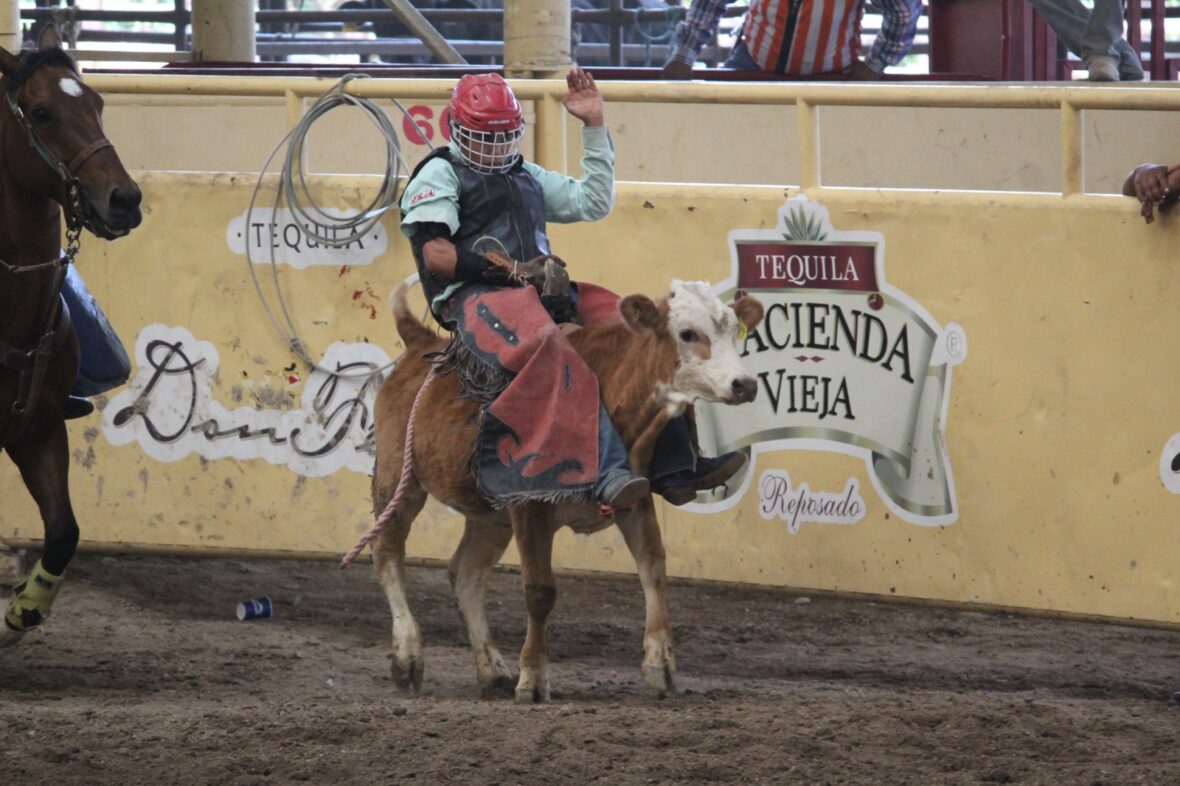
<point x="846" y="363"/>
<point x="169" y="408"/>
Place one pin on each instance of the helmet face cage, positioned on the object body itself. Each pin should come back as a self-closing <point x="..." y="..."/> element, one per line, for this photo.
<point x="488" y="152"/>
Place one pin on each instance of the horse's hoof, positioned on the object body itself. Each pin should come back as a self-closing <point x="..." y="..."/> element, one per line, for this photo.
<point x="408" y="678"/>
<point x="502" y="687"/>
<point x="659" y="679"/>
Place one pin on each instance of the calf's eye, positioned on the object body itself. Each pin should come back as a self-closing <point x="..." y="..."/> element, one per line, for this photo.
<point x="687" y="336"/>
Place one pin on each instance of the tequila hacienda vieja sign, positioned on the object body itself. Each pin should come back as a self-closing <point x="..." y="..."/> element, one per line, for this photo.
<point x="844" y="363"/>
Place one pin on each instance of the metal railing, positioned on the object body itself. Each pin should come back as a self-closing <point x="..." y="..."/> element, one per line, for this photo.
<point x="635" y="36"/>
<point x="285" y="33"/>
<point x="806" y="98"/>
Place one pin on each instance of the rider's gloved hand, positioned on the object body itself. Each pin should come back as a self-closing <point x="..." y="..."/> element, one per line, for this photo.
<point x="546" y="273"/>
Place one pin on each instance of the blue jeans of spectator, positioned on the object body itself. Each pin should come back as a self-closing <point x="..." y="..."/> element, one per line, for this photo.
<point x="740" y="58"/>
<point x="1084" y="32"/>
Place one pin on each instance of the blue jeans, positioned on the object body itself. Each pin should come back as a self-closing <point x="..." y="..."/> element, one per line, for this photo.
<point x="1084" y="32"/>
<point x="740" y="58"/>
<point x="612" y="453"/>
<point x="673" y="452"/>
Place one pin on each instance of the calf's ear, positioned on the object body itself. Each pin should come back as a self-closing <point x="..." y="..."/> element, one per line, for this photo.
<point x="748" y="310"/>
<point x="641" y="313"/>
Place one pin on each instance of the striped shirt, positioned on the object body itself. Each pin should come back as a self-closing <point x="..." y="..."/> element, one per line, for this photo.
<point x="804" y="37"/>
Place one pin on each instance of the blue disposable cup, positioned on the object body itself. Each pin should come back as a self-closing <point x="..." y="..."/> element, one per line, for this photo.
<point x="257" y="609"/>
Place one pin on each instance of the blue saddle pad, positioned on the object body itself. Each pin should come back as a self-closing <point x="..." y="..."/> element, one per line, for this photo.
<point x="105" y="364"/>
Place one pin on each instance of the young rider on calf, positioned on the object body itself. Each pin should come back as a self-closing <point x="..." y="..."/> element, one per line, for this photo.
<point x="475" y="214"/>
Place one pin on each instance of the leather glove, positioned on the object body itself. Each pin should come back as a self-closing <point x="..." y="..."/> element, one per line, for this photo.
<point x="547" y="274"/>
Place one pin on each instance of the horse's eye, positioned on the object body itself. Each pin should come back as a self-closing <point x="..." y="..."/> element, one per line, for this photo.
<point x="42" y="115"/>
<point x="688" y="336"/>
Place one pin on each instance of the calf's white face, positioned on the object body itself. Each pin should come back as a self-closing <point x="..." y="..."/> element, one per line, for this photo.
<point x="706" y="334"/>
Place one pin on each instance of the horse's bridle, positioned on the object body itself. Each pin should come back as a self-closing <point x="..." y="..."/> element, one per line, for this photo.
<point x="74" y="209"/>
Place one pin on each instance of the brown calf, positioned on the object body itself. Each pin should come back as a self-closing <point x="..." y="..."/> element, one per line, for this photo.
<point x="652" y="362"/>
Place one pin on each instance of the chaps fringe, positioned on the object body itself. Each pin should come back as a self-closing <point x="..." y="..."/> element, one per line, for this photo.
<point x="478" y="379"/>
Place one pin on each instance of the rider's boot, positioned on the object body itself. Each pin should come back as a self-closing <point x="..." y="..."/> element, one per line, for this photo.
<point x="76" y="407"/>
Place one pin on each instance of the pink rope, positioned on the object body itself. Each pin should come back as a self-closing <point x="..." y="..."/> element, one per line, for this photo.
<point x="407" y="469"/>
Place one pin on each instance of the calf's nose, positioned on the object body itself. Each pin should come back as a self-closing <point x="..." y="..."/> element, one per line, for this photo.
<point x="744" y="389"/>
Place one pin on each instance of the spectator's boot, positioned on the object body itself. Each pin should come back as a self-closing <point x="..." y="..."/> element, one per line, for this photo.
<point x="1103" y="68"/>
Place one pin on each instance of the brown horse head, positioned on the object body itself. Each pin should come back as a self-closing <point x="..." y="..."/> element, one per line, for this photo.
<point x="52" y="140"/>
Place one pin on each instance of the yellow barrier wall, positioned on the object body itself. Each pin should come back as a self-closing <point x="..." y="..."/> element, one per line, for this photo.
<point x="1056" y="420"/>
<point x="1050" y="441"/>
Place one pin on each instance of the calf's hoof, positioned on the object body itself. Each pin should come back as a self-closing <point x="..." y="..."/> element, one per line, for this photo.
<point x="533" y="693"/>
<point x="407" y="676"/>
<point x="659" y="679"/>
<point x="501" y="687"/>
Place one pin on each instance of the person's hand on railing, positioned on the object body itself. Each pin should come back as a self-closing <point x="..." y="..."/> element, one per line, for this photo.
<point x="676" y="71"/>
<point x="860" y="71"/>
<point x="1154" y="185"/>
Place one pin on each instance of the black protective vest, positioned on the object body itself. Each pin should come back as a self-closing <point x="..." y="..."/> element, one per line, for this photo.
<point x="508" y="206"/>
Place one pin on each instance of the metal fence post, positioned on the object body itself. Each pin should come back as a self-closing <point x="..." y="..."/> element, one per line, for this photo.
<point x="536" y="38"/>
<point x="223" y="30"/>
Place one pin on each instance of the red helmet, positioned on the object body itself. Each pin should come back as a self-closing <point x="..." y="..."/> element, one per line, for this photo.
<point x="486" y="122"/>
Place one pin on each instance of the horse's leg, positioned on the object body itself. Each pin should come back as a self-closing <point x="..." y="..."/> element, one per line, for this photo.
<point x="533" y="527"/>
<point x="389" y="558"/>
<point x="641" y="530"/>
<point x="482" y="546"/>
<point x="43" y="460"/>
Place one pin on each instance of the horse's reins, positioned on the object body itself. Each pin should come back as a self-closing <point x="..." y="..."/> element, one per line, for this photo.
<point x="33" y="363"/>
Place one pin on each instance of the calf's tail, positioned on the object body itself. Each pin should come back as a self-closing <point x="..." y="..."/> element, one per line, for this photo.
<point x="414" y="333"/>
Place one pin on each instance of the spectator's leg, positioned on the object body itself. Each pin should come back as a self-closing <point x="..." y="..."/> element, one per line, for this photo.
<point x="740" y="58"/>
<point x="1130" y="69"/>
<point x="1088" y="34"/>
<point x="1067" y="19"/>
<point x="1103" y="30"/>
<point x="1098" y="42"/>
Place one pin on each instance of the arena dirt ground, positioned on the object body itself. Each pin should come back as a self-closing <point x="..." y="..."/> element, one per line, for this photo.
<point x="144" y="675"/>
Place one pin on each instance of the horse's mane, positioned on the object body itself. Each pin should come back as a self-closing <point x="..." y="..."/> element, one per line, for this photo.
<point x="30" y="61"/>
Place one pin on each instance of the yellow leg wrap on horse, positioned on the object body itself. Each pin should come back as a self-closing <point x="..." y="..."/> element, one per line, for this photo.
<point x="32" y="599"/>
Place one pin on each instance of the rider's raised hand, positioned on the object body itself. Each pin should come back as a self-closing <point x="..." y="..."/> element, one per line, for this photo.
<point x="583" y="100"/>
